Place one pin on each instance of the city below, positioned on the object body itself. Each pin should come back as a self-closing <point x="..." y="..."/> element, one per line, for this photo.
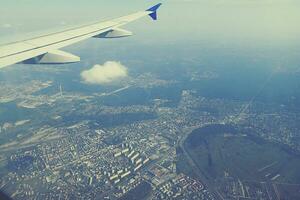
<point x="75" y="147"/>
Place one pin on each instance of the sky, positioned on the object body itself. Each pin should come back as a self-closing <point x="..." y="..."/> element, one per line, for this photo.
<point x="228" y="21"/>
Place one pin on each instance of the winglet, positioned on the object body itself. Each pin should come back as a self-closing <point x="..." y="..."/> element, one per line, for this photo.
<point x="154" y="9"/>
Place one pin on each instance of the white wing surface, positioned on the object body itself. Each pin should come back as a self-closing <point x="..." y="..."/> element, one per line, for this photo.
<point x="45" y="49"/>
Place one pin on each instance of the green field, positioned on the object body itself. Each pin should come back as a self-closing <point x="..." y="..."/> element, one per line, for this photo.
<point x="221" y="151"/>
<point x="218" y="149"/>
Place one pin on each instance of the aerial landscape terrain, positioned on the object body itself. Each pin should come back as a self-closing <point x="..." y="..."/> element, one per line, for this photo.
<point x="182" y="119"/>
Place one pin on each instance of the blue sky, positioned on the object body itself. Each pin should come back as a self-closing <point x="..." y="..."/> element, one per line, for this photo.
<point x="250" y="21"/>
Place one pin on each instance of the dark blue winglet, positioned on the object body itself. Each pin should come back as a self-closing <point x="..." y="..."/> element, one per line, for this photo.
<point x="154" y="9"/>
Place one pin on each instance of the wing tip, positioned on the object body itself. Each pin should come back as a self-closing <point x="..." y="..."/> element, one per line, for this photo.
<point x="154" y="8"/>
<point x="153" y="11"/>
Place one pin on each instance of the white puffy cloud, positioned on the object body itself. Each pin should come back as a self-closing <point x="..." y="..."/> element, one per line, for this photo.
<point x="109" y="72"/>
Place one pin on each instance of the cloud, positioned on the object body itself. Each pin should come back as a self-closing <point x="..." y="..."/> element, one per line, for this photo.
<point x="104" y="74"/>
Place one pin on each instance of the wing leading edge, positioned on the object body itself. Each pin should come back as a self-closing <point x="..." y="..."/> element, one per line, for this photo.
<point x="45" y="49"/>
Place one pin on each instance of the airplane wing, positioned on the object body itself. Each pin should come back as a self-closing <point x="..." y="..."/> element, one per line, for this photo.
<point x="45" y="49"/>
